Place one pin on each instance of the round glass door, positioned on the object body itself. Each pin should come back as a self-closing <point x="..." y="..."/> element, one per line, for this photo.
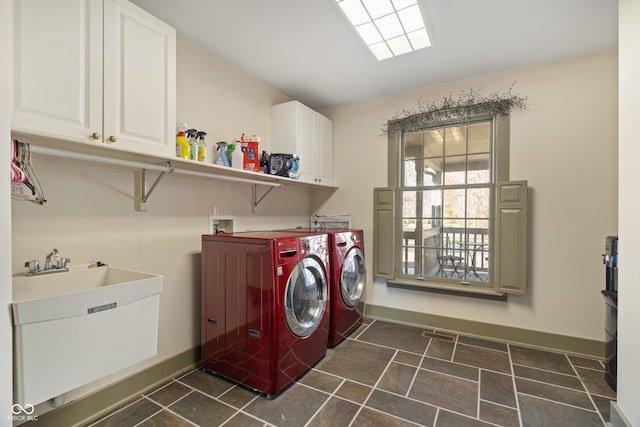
<point x="352" y="277"/>
<point x="305" y="297"/>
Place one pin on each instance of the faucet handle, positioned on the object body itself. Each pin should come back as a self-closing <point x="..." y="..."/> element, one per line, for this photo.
<point x="62" y="262"/>
<point x="33" y="265"/>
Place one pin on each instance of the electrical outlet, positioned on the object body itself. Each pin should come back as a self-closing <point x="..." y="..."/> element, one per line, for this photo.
<point x="216" y="210"/>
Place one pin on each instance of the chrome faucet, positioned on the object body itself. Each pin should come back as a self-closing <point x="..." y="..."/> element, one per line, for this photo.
<point x="49" y="266"/>
<point x="47" y="263"/>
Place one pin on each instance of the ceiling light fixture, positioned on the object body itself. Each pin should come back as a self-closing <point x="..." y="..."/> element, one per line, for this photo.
<point x="389" y="27"/>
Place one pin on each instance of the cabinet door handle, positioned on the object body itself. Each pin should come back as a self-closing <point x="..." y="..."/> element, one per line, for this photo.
<point x="112" y="138"/>
<point x="95" y="135"/>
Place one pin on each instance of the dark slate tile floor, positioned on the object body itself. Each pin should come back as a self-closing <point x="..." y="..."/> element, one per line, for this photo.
<point x="388" y="374"/>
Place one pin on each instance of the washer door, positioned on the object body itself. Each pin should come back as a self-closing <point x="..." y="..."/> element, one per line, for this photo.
<point x="352" y="277"/>
<point x="305" y="297"/>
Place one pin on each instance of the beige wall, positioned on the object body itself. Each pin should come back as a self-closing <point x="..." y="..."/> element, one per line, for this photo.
<point x="565" y="145"/>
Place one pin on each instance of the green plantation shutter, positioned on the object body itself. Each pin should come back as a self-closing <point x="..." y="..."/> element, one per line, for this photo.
<point x="383" y="236"/>
<point x="511" y="237"/>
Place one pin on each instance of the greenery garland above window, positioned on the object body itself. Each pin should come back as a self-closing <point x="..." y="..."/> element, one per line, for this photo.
<point x="469" y="103"/>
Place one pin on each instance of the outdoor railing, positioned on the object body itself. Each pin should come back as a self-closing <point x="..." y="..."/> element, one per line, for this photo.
<point x="454" y="236"/>
<point x="456" y="241"/>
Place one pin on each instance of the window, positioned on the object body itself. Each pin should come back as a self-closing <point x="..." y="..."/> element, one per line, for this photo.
<point x="446" y="198"/>
<point x="454" y="222"/>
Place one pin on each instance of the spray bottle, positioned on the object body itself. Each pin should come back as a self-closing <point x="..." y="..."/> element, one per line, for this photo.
<point x="182" y="145"/>
<point x="222" y="158"/>
<point x="202" y="147"/>
<point x="192" y="135"/>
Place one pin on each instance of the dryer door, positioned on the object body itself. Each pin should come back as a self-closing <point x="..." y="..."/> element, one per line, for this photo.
<point x="305" y="297"/>
<point x="352" y="277"/>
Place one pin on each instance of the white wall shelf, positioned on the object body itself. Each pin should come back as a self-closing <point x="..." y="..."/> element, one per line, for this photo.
<point x="144" y="162"/>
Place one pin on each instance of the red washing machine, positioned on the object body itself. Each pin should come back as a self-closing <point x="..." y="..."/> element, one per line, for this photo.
<point x="346" y="283"/>
<point x="265" y="304"/>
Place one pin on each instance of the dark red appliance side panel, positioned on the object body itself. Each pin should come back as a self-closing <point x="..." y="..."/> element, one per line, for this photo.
<point x="237" y="282"/>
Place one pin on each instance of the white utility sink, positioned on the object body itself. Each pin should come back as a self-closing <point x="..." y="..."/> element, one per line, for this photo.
<point x="76" y="326"/>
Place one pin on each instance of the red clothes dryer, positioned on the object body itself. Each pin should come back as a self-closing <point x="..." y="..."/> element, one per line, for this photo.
<point x="346" y="281"/>
<point x="264" y="307"/>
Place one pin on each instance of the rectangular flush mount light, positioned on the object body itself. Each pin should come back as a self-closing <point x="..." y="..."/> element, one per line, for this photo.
<point x="389" y="27"/>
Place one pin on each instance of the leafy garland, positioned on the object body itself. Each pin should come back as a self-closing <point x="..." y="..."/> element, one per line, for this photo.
<point x="469" y="103"/>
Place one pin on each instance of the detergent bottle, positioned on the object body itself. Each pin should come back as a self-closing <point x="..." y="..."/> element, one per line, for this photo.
<point x="222" y="158"/>
<point x="182" y="145"/>
<point x="202" y="147"/>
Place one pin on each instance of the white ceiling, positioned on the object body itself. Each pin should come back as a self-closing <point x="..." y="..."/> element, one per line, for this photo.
<point x="306" y="48"/>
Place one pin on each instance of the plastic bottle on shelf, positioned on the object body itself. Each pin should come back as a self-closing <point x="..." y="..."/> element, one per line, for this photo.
<point x="222" y="158"/>
<point x="192" y="136"/>
<point x="202" y="147"/>
<point x="182" y="145"/>
<point x="237" y="157"/>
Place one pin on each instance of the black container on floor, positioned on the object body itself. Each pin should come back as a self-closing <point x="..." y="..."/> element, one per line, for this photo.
<point x="610" y="293"/>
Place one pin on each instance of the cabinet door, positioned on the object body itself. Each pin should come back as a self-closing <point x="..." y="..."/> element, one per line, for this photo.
<point x="57" y="68"/>
<point x="139" y="82"/>
<point x="324" y="150"/>
<point x="293" y="127"/>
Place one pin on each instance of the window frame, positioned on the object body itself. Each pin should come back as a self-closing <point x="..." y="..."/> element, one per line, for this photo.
<point x="500" y="130"/>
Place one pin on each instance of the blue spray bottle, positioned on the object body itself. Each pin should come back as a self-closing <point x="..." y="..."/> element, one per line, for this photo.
<point x="222" y="158"/>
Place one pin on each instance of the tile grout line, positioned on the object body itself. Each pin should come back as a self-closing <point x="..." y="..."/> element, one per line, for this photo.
<point x="332" y="394"/>
<point x="233" y="384"/>
<point x="363" y="331"/>
<point x="241" y="409"/>
<point x="587" y="390"/>
<point x="513" y="383"/>
<point x="415" y="375"/>
<point x="373" y="388"/>
<point x="479" y="395"/>
<point x="559" y="403"/>
<point x="110" y="414"/>
<point x="550" y="371"/>
<point x="459" y="377"/>
<point x="583" y="391"/>
<point x="498" y="404"/>
<point x="165" y="408"/>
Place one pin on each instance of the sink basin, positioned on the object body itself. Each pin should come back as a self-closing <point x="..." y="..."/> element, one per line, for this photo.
<point x="72" y="293"/>
<point x="74" y="327"/>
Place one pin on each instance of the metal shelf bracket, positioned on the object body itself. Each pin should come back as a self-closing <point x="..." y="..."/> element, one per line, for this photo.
<point x="142" y="194"/>
<point x="256" y="200"/>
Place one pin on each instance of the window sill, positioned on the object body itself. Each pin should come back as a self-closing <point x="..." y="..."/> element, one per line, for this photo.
<point x="450" y="288"/>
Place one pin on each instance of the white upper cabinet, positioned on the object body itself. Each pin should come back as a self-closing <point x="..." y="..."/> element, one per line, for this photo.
<point x="94" y="72"/>
<point x="324" y="150"/>
<point x="297" y="129"/>
<point x="139" y="79"/>
<point x="57" y="68"/>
